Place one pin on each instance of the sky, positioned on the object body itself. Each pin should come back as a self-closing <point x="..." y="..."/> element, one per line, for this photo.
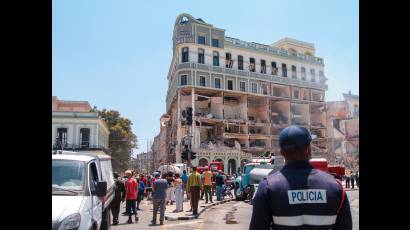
<point x="116" y="54"/>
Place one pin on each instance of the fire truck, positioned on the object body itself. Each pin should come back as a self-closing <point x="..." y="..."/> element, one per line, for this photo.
<point x="213" y="166"/>
<point x="337" y="171"/>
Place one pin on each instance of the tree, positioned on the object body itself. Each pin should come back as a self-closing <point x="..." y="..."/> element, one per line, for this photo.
<point x="121" y="140"/>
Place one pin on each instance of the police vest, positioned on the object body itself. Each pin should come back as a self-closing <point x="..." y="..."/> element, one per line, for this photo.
<point x="301" y="197"/>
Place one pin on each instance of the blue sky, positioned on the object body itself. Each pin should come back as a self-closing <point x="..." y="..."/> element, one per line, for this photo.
<point x="116" y="54"/>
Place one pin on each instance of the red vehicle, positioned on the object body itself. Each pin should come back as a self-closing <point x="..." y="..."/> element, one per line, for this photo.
<point x="321" y="163"/>
<point x="216" y="165"/>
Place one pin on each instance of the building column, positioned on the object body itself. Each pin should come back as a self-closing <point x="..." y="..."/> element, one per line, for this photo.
<point x="193" y="126"/>
<point x="179" y="138"/>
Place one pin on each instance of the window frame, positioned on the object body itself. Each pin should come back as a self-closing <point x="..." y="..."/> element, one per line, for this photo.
<point x="274" y="68"/>
<point x="263" y="67"/>
<point x="254" y="89"/>
<point x="201" y="53"/>
<point x="186" y="79"/>
<point x="198" y="41"/>
<point x="219" y="81"/>
<point x="217" y="42"/>
<point x="252" y="66"/>
<point x="231" y="84"/>
<point x="284" y="70"/>
<point x="303" y="73"/>
<point x="294" y="71"/>
<point x="186" y="54"/>
<point x="81" y="137"/>
<point x="240" y="62"/>
<point x="244" y="86"/>
<point x="201" y="77"/>
<point x="215" y="57"/>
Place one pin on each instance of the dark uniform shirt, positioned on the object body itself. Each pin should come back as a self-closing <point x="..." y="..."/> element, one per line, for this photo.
<point x="119" y="191"/>
<point x="300" y="197"/>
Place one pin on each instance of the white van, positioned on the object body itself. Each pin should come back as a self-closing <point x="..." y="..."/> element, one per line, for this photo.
<point x="82" y="190"/>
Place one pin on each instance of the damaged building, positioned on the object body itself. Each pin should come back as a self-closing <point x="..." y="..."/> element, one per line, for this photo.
<point x="242" y="94"/>
<point x="342" y="119"/>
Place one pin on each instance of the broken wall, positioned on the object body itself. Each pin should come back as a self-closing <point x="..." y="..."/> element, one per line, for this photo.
<point x="300" y="114"/>
<point x="280" y="112"/>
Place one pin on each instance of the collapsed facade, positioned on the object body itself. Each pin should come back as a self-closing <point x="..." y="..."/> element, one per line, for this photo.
<point x="342" y="118"/>
<point x="242" y="94"/>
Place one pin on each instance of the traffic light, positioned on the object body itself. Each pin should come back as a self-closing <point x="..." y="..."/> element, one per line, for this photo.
<point x="193" y="155"/>
<point x="184" y="154"/>
<point x="189" y="116"/>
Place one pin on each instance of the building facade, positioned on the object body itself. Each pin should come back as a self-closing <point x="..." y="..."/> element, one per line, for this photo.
<point x="342" y="119"/>
<point x="75" y="127"/>
<point x="242" y="94"/>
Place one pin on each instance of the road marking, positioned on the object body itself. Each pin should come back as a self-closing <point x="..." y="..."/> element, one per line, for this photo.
<point x="193" y="222"/>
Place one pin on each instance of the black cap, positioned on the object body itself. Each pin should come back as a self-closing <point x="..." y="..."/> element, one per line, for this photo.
<point x="294" y="137"/>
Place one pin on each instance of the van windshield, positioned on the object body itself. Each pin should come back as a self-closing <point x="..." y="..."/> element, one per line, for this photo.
<point x="68" y="175"/>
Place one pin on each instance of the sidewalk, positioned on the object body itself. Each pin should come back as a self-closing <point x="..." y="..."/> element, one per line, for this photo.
<point x="185" y="215"/>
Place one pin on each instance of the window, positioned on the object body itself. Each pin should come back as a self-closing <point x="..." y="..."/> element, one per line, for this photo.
<point x="274" y="68"/>
<point x="202" y="81"/>
<point x="84" y="137"/>
<point x="61" y="137"/>
<point x="93" y="176"/>
<point x="185" y="57"/>
<point x="252" y="64"/>
<point x="312" y="73"/>
<point x="215" y="42"/>
<point x="296" y="94"/>
<point x="230" y="84"/>
<point x="201" y="56"/>
<point x="294" y="72"/>
<point x="216" y="58"/>
<point x="201" y="40"/>
<point x="183" y="79"/>
<point x="217" y="83"/>
<point x="240" y="62"/>
<point x="321" y="73"/>
<point x="284" y="70"/>
<point x="242" y="86"/>
<point x="229" y="61"/>
<point x="303" y="72"/>
<point x="254" y="88"/>
<point x="263" y="66"/>
<point x="265" y="89"/>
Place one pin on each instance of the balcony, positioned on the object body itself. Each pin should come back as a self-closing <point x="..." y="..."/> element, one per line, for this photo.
<point x="272" y="50"/>
<point x="78" y="148"/>
<point x="255" y="75"/>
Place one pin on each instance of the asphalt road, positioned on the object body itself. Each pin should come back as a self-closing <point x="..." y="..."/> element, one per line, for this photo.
<point x="214" y="218"/>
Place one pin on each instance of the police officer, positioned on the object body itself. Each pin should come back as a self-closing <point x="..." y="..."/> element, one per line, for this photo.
<point x="298" y="196"/>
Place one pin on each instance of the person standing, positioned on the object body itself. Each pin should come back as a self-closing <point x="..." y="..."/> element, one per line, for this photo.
<point x="159" y="193"/>
<point x="207" y="185"/>
<point x="141" y="190"/>
<point x="119" y="196"/>
<point x="357" y="178"/>
<point x="184" y="179"/>
<point x="179" y="193"/>
<point x="131" y="188"/>
<point x="347" y="181"/>
<point x="194" y="186"/>
<point x="202" y="181"/>
<point x="219" y="182"/>
<point x="170" y="192"/>
<point x="352" y="179"/>
<point x="299" y="196"/>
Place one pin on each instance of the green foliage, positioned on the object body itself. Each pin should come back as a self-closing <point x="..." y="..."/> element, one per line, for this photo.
<point x="121" y="141"/>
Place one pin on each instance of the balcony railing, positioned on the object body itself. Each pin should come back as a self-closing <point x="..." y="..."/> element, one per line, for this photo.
<point x="272" y="50"/>
<point x="75" y="147"/>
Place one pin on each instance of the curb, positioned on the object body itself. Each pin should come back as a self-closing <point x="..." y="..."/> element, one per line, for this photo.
<point x="196" y="216"/>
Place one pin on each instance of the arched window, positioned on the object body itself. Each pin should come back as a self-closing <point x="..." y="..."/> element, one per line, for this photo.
<point x="185" y="55"/>
<point x="216" y="58"/>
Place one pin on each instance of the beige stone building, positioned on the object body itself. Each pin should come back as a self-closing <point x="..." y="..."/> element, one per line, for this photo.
<point x="242" y="94"/>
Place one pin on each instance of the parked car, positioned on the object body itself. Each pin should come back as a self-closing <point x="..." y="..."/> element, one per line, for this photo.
<point x="82" y="190"/>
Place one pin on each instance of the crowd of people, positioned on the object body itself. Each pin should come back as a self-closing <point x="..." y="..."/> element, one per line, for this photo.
<point x="165" y="189"/>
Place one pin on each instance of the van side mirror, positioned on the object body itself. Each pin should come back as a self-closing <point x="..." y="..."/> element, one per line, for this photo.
<point x="100" y="189"/>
